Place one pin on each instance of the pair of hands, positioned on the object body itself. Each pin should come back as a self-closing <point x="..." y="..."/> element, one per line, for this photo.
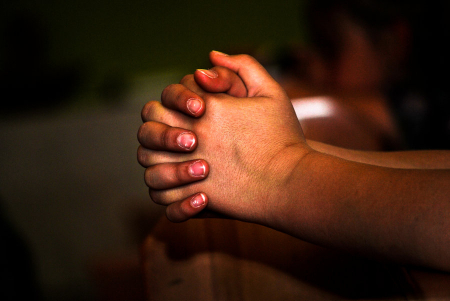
<point x="225" y="138"/>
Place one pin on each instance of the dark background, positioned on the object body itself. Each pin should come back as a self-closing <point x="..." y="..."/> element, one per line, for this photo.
<point x="74" y="76"/>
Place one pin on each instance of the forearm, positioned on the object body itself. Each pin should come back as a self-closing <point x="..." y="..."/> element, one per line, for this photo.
<point x="399" y="215"/>
<point x="262" y="171"/>
<point x="433" y="159"/>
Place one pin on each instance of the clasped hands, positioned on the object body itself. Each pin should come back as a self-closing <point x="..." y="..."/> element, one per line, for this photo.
<point x="226" y="139"/>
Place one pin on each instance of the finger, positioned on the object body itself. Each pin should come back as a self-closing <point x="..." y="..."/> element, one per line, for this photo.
<point x="159" y="136"/>
<point x="155" y="111"/>
<point x="172" y="175"/>
<point x="180" y="98"/>
<point x="255" y="77"/>
<point x="147" y="157"/>
<point x="188" y="208"/>
<point x="222" y="80"/>
<point x="168" y="196"/>
<point x="188" y="81"/>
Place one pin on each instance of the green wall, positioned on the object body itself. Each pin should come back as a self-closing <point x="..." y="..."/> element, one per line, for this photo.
<point x="118" y="39"/>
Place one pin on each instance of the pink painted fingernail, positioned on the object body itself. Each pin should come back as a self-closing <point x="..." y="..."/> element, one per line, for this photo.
<point x="209" y="73"/>
<point x="194" y="105"/>
<point x="197" y="169"/>
<point x="198" y="200"/>
<point x="186" y="140"/>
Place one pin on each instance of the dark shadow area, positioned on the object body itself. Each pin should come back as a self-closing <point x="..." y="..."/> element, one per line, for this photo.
<point x="338" y="273"/>
<point x="29" y="81"/>
<point x="18" y="279"/>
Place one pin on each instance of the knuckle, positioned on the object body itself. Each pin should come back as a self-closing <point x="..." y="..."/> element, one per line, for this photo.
<point x="246" y="58"/>
<point x="145" y="136"/>
<point x="149" y="109"/>
<point x="175" y="213"/>
<point x="171" y="215"/>
<point x="142" y="156"/>
<point x="141" y="133"/>
<point x="149" y="178"/>
<point x="179" y="174"/>
<point x="156" y="196"/>
<point x="187" y="78"/>
<point x="165" y="138"/>
<point x="161" y="197"/>
<point x="166" y="91"/>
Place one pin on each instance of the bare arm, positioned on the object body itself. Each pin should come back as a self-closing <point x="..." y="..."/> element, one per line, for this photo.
<point x="226" y="81"/>
<point x="263" y="171"/>
<point x="429" y="159"/>
<point x="396" y="214"/>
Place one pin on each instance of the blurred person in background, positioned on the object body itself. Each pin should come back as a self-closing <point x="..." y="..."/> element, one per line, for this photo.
<point x="374" y="71"/>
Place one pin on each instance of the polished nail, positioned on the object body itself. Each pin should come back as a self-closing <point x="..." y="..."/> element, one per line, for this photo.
<point x="198" y="200"/>
<point x="194" y="105"/>
<point x="197" y="169"/>
<point x="209" y="73"/>
<point x="186" y="140"/>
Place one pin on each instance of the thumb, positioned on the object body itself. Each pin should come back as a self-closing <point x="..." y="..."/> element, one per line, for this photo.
<point x="255" y="77"/>
<point x="220" y="80"/>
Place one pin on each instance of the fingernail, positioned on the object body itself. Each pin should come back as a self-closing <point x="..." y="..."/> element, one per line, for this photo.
<point x="220" y="53"/>
<point x="194" y="105"/>
<point x="209" y="73"/>
<point x="197" y="169"/>
<point x="198" y="200"/>
<point x="186" y="140"/>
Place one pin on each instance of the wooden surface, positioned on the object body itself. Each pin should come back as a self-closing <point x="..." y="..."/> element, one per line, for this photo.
<point x="213" y="259"/>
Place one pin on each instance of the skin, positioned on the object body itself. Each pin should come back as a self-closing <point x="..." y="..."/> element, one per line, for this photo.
<point x="258" y="167"/>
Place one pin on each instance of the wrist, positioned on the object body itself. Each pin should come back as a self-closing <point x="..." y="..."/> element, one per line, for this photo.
<point x="303" y="207"/>
<point x="289" y="170"/>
